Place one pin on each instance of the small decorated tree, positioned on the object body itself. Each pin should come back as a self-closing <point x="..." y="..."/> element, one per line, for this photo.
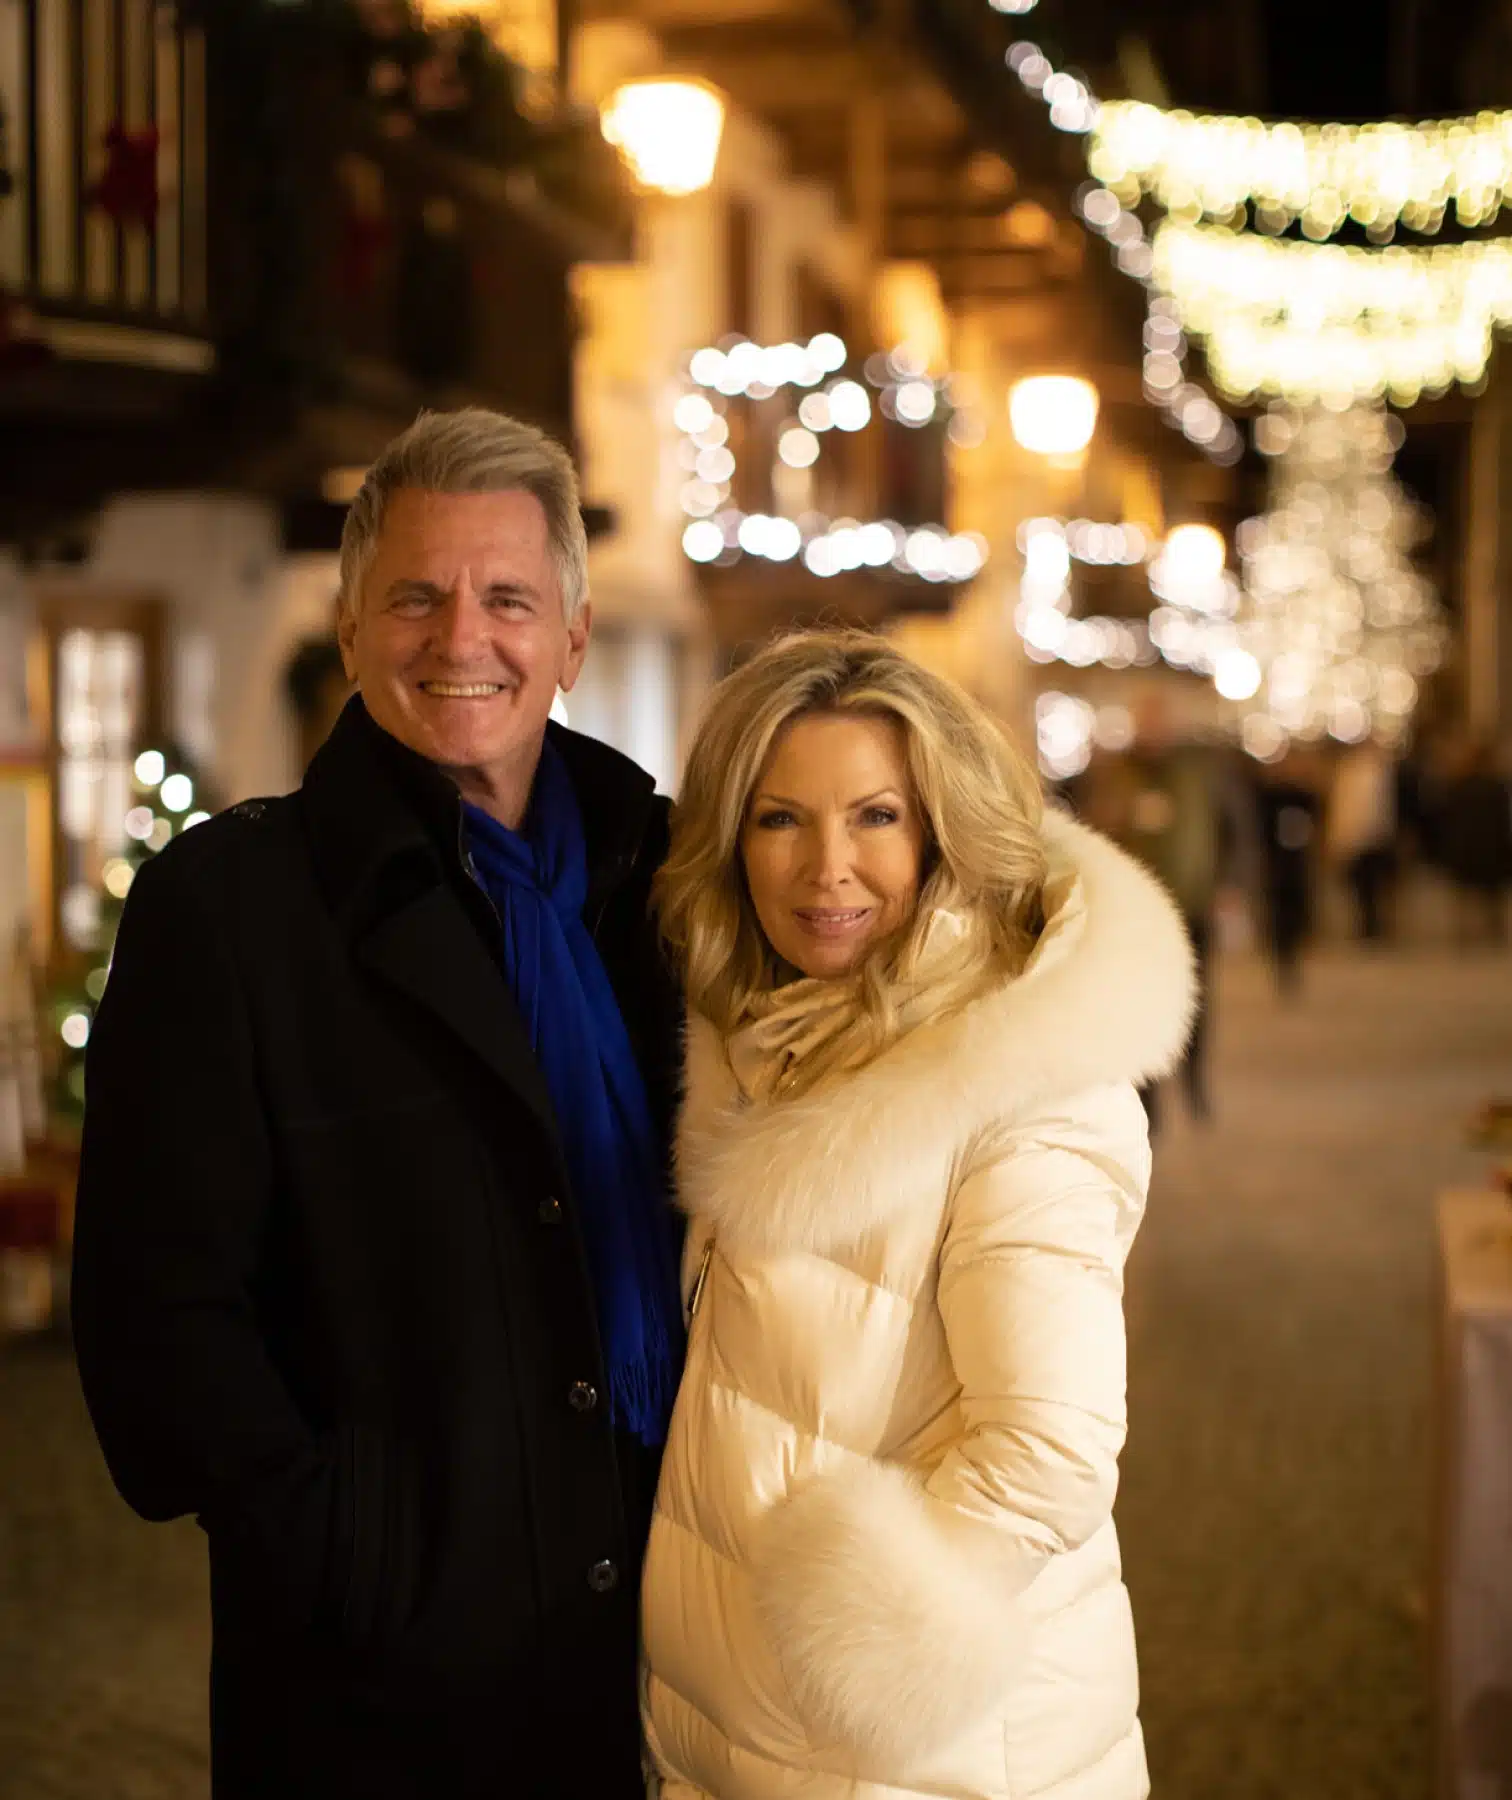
<point x="166" y="803"/>
<point x="1341" y="625"/>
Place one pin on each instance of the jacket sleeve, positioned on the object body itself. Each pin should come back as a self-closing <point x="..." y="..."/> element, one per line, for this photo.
<point x="891" y="1599"/>
<point x="174" y="1204"/>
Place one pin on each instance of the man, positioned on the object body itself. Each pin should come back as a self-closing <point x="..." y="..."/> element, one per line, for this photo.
<point x="374" y="1268"/>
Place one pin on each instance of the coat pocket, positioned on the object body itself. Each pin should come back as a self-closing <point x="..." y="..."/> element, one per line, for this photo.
<point x="378" y="1519"/>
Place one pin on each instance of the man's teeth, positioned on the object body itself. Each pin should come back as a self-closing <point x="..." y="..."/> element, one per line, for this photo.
<point x="458" y="690"/>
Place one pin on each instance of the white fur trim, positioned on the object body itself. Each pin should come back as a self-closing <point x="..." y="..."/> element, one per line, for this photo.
<point x="1108" y="998"/>
<point x="891" y="1614"/>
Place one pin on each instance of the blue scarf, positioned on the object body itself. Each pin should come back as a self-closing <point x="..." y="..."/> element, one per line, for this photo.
<point x="538" y="881"/>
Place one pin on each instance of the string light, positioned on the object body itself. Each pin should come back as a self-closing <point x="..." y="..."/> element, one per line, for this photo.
<point x="1327" y="322"/>
<point x="1377" y="174"/>
<point x="1076" y="108"/>
<point x="720" y="533"/>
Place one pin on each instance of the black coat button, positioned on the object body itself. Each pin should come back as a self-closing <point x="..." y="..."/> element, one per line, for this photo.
<point x="582" y="1396"/>
<point x="603" y="1577"/>
<point x="549" y="1212"/>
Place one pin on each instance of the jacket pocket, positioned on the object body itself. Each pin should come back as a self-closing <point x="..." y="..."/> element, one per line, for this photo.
<point x="377" y="1517"/>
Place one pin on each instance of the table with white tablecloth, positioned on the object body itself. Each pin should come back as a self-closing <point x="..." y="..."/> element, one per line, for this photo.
<point x="1473" y="1599"/>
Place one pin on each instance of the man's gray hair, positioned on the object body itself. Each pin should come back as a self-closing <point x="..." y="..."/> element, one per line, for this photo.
<point x="473" y="451"/>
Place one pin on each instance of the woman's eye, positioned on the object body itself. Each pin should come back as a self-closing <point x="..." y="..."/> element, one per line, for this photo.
<point x="773" y="820"/>
<point x="879" y="815"/>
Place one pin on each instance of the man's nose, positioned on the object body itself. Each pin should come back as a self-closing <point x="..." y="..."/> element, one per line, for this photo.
<point x="461" y="623"/>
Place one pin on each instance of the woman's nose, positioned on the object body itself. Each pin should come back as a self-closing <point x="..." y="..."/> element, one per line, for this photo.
<point x="830" y="855"/>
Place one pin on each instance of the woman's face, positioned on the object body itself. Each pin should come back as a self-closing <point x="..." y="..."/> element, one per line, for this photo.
<point x="833" y="843"/>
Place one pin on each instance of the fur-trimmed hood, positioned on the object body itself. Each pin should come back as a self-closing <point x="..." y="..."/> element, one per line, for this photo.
<point x="1107" y="996"/>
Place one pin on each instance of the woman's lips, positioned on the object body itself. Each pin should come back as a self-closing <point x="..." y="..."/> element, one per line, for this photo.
<point x="832" y="922"/>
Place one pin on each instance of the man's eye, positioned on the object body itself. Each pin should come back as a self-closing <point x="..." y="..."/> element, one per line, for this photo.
<point x="411" y="606"/>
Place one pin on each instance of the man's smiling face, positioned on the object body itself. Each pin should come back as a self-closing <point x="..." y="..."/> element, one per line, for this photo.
<point x="457" y="639"/>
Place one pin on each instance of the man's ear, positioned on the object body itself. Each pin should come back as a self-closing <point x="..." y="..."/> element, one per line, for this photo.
<point x="578" y="634"/>
<point x="346" y="639"/>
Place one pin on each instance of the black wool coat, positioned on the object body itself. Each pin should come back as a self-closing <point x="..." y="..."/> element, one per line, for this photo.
<point x="330" y="1293"/>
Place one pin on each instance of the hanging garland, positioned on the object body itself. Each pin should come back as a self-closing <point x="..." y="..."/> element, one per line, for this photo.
<point x="1321" y="175"/>
<point x="448" y="82"/>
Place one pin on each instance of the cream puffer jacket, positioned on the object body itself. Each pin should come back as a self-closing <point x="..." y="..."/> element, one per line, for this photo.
<point x="883" y="1560"/>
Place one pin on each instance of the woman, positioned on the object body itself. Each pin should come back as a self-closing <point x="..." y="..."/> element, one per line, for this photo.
<point x="913" y="1161"/>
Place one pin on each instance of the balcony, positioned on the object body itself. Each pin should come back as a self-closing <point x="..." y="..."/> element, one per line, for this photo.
<point x="245" y="244"/>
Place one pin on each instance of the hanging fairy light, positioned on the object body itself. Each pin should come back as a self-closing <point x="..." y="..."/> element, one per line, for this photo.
<point x="1308" y="322"/>
<point x="1191" y="627"/>
<point x="1074" y="108"/>
<point x="1340" y="627"/>
<point x="719" y="532"/>
<point x="1377" y="174"/>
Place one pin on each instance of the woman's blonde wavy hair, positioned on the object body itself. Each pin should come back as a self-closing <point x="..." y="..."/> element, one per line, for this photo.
<point x="984" y="858"/>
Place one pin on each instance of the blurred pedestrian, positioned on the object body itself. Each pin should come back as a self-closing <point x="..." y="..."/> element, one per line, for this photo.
<point x="375" y="1274"/>
<point x="1287" y="808"/>
<point x="1361" y="834"/>
<point x="1476" y="843"/>
<point x="1160" y="801"/>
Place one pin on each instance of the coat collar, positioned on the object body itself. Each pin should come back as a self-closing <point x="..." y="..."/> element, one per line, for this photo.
<point x="384" y="818"/>
<point x="385" y="833"/>
<point x="1106" y="997"/>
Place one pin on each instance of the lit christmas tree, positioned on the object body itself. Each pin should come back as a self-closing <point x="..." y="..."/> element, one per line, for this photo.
<point x="1341" y="627"/>
<point x="165" y="804"/>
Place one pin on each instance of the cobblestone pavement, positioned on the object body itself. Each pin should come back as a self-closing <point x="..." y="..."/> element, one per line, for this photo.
<point x="1276" y="1484"/>
<point x="1276" y="1490"/>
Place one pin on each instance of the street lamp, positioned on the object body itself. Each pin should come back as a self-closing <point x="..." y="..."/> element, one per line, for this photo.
<point x="668" y="132"/>
<point x="1053" y="415"/>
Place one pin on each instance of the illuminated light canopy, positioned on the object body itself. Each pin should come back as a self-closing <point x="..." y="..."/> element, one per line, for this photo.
<point x="1376" y="174"/>
<point x="1053" y="415"/>
<point x="667" y="131"/>
<point x="1310" y="322"/>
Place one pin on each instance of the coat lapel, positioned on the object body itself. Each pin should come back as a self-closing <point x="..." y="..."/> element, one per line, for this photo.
<point x="429" y="950"/>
